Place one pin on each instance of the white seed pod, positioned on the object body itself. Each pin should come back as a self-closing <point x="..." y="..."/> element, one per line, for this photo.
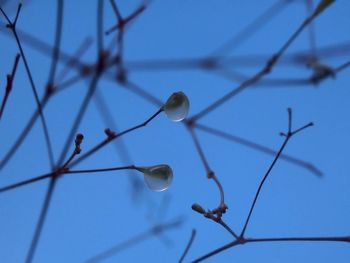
<point x="158" y="177"/>
<point x="177" y="106"/>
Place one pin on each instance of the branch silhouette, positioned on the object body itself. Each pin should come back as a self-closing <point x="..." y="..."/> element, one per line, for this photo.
<point x="113" y="63"/>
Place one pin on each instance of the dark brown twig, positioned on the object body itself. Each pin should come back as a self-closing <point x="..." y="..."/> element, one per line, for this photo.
<point x="277" y="239"/>
<point x="122" y="22"/>
<point x="60" y="165"/>
<point x="215" y="214"/>
<point x="64" y="170"/>
<point x="9" y="83"/>
<point x="26" y="182"/>
<point x="290" y="133"/>
<point x="112" y="136"/>
<point x="188" y="246"/>
<point x="12" y="26"/>
<point x="119" y="146"/>
<point x="48" y="197"/>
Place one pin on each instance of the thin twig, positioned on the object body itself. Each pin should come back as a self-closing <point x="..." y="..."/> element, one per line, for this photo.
<point x="116" y="11"/>
<point x="303" y="239"/>
<point x="290" y="133"/>
<point x="129" y="167"/>
<point x="216" y="213"/>
<point x="8" y="88"/>
<point x="48" y="197"/>
<point x="60" y="172"/>
<point x="26" y="182"/>
<point x="12" y="27"/>
<point x="112" y="137"/>
<point x="119" y="146"/>
<point x="276" y="239"/>
<point x="188" y="246"/>
<point x="122" y="22"/>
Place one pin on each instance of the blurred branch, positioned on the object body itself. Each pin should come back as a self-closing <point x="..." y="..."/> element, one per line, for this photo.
<point x="155" y="230"/>
<point x="258" y="147"/>
<point x="251" y="28"/>
<point x="260" y="74"/>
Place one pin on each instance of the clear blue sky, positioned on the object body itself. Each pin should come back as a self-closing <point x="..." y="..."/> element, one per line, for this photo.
<point x="90" y="213"/>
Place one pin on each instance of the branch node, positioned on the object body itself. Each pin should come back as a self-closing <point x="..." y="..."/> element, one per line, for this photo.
<point x="110" y="134"/>
<point x="101" y="63"/>
<point x="122" y="75"/>
<point x="210" y="174"/>
<point x="241" y="240"/>
<point x="86" y="70"/>
<point x="320" y="71"/>
<point x="208" y="63"/>
<point x="78" y="140"/>
<point x="58" y="172"/>
<point x="49" y="89"/>
<point x="270" y="63"/>
<point x="220" y="210"/>
<point x="189" y="122"/>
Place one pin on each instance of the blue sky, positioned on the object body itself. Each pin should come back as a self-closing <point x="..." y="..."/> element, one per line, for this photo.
<point x="90" y="213"/>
